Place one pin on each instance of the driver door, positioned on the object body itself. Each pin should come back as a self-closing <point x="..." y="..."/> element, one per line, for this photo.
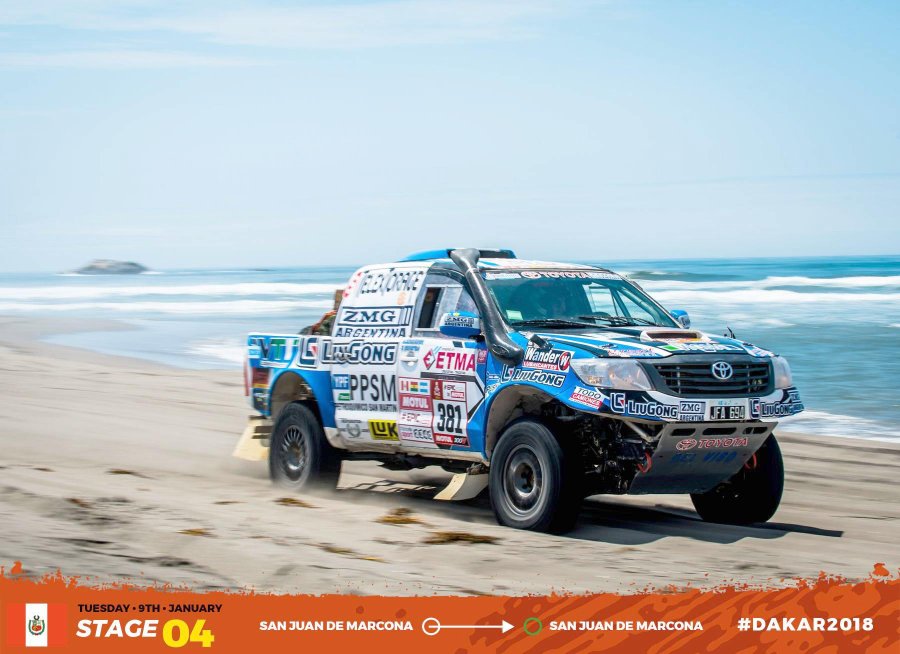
<point x="440" y="380"/>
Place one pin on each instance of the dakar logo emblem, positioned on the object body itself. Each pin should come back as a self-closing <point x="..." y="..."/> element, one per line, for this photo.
<point x="36" y="626"/>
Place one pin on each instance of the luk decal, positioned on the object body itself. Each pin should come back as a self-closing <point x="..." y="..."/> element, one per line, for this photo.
<point x="691" y="411"/>
<point x="391" y="280"/>
<point x="448" y="390"/>
<point x="383" y="430"/>
<point x="375" y="316"/>
<point x="413" y="434"/>
<point x="620" y="404"/>
<point x="587" y="396"/>
<point x="543" y="377"/>
<point x="35" y="625"/>
<point x="359" y="352"/>
<point x="449" y="425"/>
<point x="451" y="361"/>
<point x="557" y="360"/>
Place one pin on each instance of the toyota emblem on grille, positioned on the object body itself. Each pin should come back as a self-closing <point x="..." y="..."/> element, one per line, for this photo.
<point x="722" y="370"/>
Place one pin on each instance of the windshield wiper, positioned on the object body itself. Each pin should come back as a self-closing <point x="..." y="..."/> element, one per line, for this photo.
<point x="621" y="321"/>
<point x="550" y="322"/>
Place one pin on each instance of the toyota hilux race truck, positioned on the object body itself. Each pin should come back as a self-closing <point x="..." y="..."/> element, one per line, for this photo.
<point x="544" y="382"/>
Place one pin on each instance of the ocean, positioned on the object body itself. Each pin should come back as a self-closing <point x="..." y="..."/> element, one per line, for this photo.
<point x="836" y="319"/>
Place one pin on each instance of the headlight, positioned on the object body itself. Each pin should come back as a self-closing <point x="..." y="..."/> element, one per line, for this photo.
<point x="783" y="378"/>
<point x="612" y="373"/>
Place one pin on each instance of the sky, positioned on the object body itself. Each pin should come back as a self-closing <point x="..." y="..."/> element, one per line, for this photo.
<point x="272" y="133"/>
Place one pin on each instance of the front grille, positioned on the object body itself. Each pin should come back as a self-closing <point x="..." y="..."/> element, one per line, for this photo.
<point x="693" y="379"/>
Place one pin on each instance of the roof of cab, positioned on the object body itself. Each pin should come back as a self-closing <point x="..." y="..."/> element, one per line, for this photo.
<point x="444" y="253"/>
<point x="494" y="258"/>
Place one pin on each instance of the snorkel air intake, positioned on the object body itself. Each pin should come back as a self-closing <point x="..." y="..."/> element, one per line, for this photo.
<point x="498" y="341"/>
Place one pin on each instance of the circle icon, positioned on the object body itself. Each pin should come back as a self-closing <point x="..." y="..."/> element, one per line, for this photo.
<point x="431" y="626"/>
<point x="534" y="631"/>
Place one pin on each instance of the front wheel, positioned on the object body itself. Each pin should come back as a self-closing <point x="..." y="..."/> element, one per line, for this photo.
<point x="751" y="495"/>
<point x="300" y="456"/>
<point x="533" y="481"/>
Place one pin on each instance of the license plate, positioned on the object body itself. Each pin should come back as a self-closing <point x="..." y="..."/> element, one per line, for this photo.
<point x="733" y="412"/>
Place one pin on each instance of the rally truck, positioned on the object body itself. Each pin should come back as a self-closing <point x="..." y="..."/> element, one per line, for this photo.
<point x="543" y="382"/>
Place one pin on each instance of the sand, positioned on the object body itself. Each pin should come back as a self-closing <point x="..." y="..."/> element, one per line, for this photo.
<point x="117" y="469"/>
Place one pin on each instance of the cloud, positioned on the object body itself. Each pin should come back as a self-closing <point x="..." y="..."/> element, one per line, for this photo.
<point x="117" y="59"/>
<point x="382" y="23"/>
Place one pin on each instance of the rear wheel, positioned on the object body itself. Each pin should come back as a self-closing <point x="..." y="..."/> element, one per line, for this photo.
<point x="533" y="481"/>
<point x="300" y="456"/>
<point x="752" y="495"/>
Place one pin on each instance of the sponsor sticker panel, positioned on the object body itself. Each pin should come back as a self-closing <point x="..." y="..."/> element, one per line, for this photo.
<point x="383" y="430"/>
<point x="547" y="358"/>
<point x="587" y="396"/>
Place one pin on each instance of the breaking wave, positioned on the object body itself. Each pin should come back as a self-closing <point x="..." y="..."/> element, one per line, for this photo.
<point x="833" y="424"/>
<point x="205" y="290"/>
<point x="235" y="307"/>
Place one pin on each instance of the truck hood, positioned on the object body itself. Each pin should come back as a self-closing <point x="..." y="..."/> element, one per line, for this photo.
<point x="648" y="342"/>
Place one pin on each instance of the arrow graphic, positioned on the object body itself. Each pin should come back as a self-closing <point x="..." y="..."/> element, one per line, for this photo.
<point x="432" y="626"/>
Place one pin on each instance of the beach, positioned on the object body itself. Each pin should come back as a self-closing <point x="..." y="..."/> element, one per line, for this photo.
<point x="118" y="469"/>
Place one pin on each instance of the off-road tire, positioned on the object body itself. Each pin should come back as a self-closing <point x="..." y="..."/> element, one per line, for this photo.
<point x="751" y="495"/>
<point x="534" y="481"/>
<point x="300" y="457"/>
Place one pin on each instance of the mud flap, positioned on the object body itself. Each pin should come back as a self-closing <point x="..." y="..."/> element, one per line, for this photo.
<point x="254" y="442"/>
<point x="696" y="457"/>
<point x="464" y="486"/>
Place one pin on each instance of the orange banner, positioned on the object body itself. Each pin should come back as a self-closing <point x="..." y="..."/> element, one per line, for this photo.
<point x="828" y="615"/>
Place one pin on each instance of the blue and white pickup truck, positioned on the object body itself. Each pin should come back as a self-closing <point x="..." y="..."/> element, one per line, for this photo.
<point x="545" y="382"/>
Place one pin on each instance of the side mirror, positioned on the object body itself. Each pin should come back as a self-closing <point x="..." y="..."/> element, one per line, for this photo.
<point x="460" y="324"/>
<point x="682" y="317"/>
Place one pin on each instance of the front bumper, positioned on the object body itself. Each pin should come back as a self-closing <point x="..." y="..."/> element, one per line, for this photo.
<point x="656" y="406"/>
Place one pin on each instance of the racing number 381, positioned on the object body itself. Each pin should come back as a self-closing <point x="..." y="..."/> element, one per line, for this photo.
<point x="449" y="418"/>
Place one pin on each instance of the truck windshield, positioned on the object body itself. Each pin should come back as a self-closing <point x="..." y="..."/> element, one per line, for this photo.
<point x="572" y="299"/>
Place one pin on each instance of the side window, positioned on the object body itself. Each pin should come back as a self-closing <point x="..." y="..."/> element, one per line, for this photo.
<point x="442" y="294"/>
<point x="428" y="312"/>
<point x="635" y="309"/>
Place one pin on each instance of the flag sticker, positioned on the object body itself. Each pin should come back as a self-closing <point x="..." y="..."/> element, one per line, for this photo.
<point x="35" y="625"/>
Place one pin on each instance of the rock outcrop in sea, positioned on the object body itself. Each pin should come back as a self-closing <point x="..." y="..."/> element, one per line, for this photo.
<point x="111" y="267"/>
